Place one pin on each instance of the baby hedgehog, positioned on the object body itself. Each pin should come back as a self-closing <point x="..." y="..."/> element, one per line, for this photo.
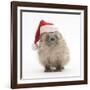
<point x="52" y="49"/>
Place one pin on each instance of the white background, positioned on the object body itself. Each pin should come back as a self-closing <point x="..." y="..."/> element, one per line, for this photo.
<point x="69" y="26"/>
<point x="5" y="45"/>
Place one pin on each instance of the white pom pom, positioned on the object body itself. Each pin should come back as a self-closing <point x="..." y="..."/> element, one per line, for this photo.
<point x="34" y="46"/>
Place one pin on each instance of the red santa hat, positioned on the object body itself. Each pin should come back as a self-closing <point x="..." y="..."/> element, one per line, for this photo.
<point x="43" y="27"/>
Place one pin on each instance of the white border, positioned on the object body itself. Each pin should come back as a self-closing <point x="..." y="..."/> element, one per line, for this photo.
<point x="18" y="48"/>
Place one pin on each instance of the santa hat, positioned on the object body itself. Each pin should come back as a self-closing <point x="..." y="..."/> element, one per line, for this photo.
<point x="43" y="27"/>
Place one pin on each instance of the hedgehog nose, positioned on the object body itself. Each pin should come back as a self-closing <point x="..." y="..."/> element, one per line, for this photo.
<point x="52" y="39"/>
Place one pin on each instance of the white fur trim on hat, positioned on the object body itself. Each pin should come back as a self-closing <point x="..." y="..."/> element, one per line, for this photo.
<point x="47" y="28"/>
<point x="34" y="46"/>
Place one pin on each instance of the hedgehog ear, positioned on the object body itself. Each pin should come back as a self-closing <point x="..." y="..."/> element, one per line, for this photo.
<point x="58" y="34"/>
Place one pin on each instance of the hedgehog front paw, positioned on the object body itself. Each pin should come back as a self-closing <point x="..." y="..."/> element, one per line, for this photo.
<point x="47" y="69"/>
<point x="59" y="68"/>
